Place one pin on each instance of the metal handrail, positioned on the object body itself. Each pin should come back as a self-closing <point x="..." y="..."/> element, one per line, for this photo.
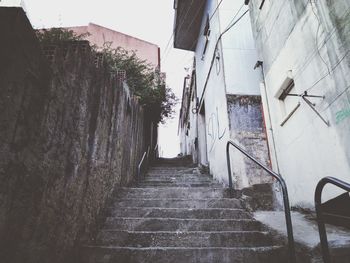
<point x="156" y="153"/>
<point x="145" y="156"/>
<point x="148" y="152"/>
<point x="140" y="166"/>
<point x="278" y="177"/>
<point x="319" y="215"/>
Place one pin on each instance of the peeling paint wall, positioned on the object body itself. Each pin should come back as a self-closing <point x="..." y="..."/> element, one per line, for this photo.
<point x="247" y="129"/>
<point x="70" y="134"/>
<point x="309" y="42"/>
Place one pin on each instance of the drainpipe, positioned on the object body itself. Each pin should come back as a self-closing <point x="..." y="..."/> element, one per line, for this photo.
<point x="259" y="64"/>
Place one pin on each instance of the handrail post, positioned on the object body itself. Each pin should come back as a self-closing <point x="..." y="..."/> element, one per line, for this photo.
<point x="288" y="216"/>
<point x="229" y="165"/>
<point x="140" y="166"/>
<point x="321" y="225"/>
<point x="279" y="178"/>
<point x="320" y="220"/>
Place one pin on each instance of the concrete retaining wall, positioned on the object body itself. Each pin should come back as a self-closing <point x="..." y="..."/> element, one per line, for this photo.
<point x="69" y="133"/>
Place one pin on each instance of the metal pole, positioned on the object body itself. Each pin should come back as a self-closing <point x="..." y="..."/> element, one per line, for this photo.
<point x="291" y="246"/>
<point x="292" y="253"/>
<point x="229" y="165"/>
<point x="320" y="220"/>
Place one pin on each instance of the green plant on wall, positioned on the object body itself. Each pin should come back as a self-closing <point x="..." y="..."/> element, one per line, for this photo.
<point x="54" y="35"/>
<point x="145" y="82"/>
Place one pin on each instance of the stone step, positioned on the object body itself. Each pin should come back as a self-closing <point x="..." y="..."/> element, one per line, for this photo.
<point x="175" y="172"/>
<point x="178" y="203"/>
<point x="173" y="167"/>
<point x="174" y="192"/>
<point x="177" y="224"/>
<point x="185" y="213"/>
<point x="176" y="214"/>
<point x="178" y="184"/>
<point x="187" y="178"/>
<point x="187" y="160"/>
<point x="174" y="181"/>
<point x="110" y="254"/>
<point x="184" y="239"/>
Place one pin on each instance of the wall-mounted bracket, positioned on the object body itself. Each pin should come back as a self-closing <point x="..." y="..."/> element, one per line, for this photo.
<point x="313" y="108"/>
<point x="305" y="97"/>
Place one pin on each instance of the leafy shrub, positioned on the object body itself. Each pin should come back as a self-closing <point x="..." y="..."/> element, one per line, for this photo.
<point x="145" y="82"/>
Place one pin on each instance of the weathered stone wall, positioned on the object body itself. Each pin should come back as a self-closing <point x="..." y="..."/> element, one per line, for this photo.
<point x="247" y="129"/>
<point x="70" y="134"/>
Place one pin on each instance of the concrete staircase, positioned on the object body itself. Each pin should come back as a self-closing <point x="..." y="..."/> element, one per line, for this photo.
<point x="178" y="215"/>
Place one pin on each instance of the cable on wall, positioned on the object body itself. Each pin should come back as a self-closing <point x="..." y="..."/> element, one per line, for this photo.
<point x="231" y="25"/>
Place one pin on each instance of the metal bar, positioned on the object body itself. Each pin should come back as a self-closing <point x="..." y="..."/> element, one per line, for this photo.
<point x="290" y="114"/>
<point x="147" y="156"/>
<point x="155" y="152"/>
<point x="229" y="165"/>
<point x="262" y="4"/>
<point x="310" y="96"/>
<point x="291" y="245"/>
<point x="320" y="220"/>
<point x="312" y="107"/>
<point x="140" y="166"/>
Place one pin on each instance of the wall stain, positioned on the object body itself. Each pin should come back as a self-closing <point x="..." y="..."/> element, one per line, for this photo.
<point x="214" y="131"/>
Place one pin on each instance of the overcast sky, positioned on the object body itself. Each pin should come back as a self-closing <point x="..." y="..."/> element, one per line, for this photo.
<point x="150" y="20"/>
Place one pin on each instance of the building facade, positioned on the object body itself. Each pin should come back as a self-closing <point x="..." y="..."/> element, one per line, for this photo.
<point x="296" y="55"/>
<point x="222" y="101"/>
<point x="304" y="48"/>
<point x="99" y="35"/>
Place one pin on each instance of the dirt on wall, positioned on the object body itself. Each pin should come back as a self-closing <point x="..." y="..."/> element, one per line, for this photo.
<point x="70" y="133"/>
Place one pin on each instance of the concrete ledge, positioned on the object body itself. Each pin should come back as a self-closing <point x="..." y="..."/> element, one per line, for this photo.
<point x="307" y="237"/>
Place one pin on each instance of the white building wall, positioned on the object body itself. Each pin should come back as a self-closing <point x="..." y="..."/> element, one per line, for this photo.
<point x="310" y="44"/>
<point x="213" y="99"/>
<point x="232" y="72"/>
<point x="239" y="50"/>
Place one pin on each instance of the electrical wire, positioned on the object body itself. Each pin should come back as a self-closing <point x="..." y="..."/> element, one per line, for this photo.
<point x="329" y="72"/>
<point x="182" y="19"/>
<point x="231" y="24"/>
<point x="317" y="32"/>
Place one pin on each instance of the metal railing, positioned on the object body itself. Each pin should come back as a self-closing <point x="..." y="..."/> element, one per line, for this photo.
<point x="143" y="163"/>
<point x="319" y="212"/>
<point x="156" y="152"/>
<point x="291" y="245"/>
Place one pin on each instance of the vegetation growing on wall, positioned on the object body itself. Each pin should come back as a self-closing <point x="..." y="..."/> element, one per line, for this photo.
<point x="145" y="82"/>
<point x="54" y="35"/>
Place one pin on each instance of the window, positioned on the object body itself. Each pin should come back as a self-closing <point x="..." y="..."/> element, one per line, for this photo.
<point x="288" y="103"/>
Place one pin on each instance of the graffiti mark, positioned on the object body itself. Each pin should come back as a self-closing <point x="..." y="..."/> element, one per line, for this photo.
<point x="214" y="131"/>
<point x="211" y="132"/>
<point x="218" y="123"/>
<point x="342" y="115"/>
